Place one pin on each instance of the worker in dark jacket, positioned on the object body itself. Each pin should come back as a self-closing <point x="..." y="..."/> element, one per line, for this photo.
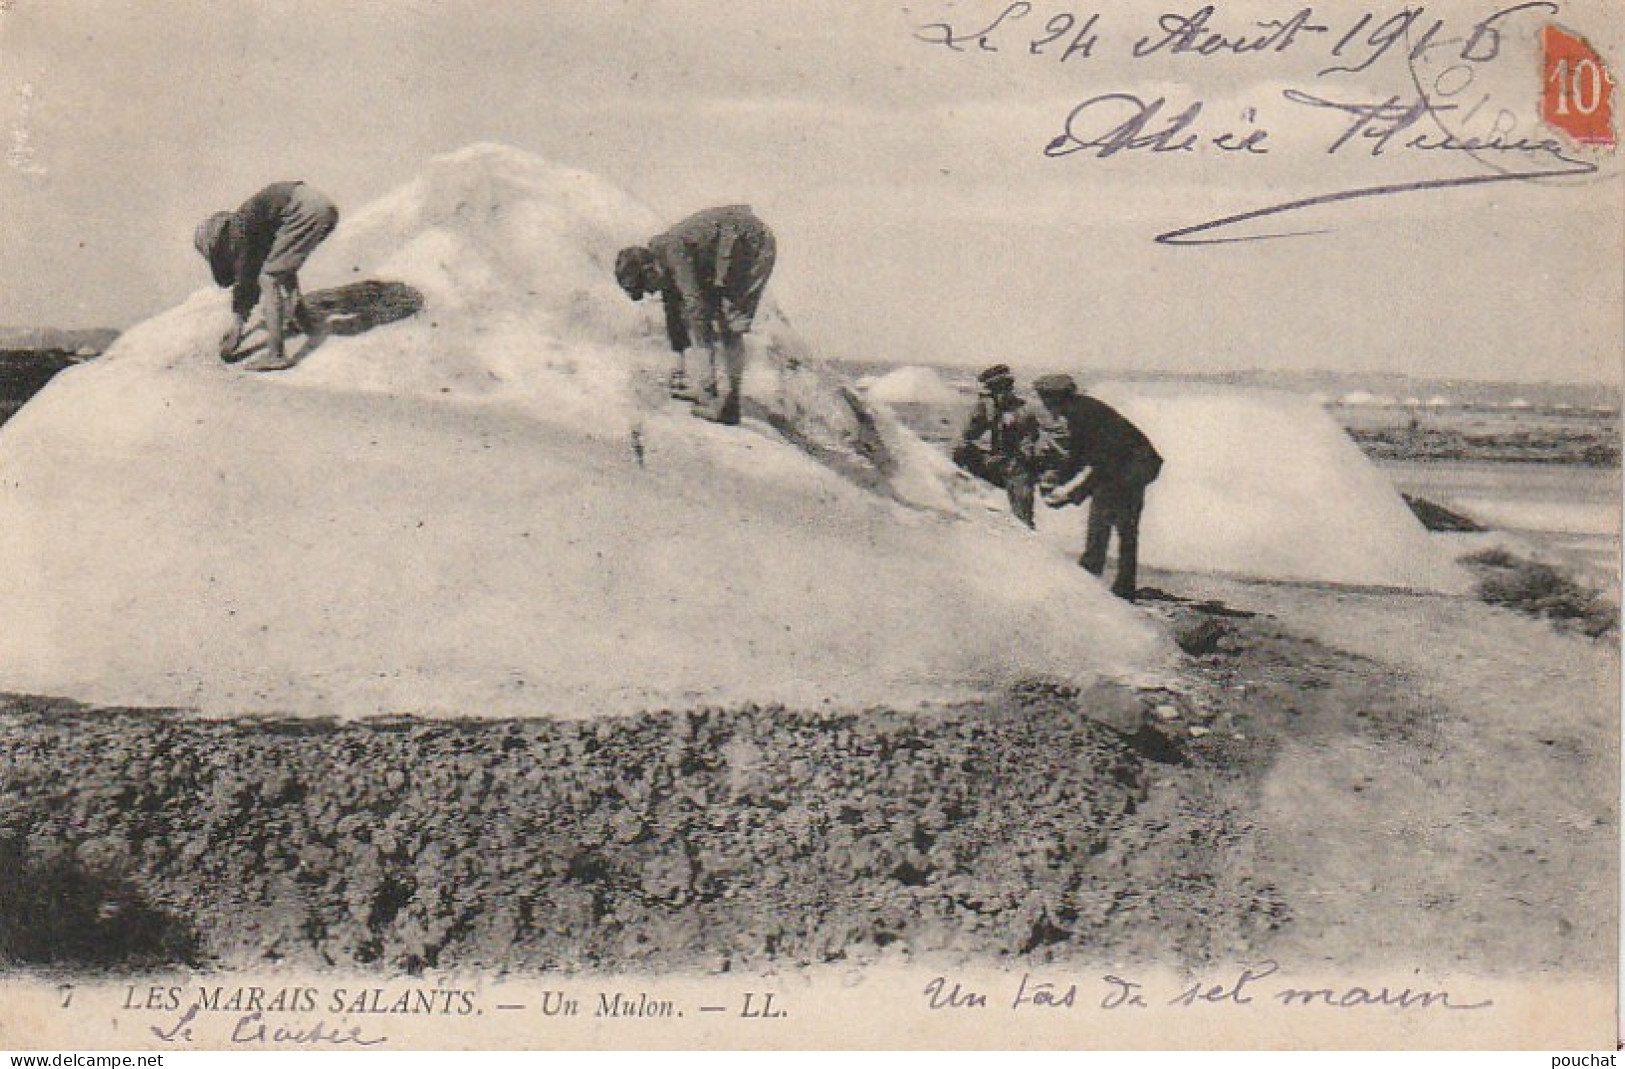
<point x="710" y="270"/>
<point x="260" y="248"/>
<point x="1099" y="455"/>
<point x="1000" y="441"/>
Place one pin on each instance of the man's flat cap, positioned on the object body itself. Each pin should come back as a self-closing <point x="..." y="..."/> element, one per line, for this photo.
<point x="1054" y="386"/>
<point x="631" y="266"/>
<point x="207" y="234"/>
<point x="998" y="374"/>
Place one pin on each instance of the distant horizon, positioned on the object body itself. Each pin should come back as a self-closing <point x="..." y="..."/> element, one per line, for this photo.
<point x="8" y="330"/>
<point x="1045" y="367"/>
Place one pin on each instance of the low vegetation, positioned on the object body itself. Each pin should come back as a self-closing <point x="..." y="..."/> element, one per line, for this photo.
<point x="1544" y="591"/>
<point x="1597" y="447"/>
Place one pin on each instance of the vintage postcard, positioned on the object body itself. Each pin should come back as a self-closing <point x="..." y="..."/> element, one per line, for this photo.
<point x="955" y="523"/>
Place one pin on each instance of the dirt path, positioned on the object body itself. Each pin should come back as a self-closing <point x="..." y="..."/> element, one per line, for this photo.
<point x="1445" y="795"/>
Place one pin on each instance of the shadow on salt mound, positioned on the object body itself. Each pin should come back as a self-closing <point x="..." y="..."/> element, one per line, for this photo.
<point x="860" y="454"/>
<point x="489" y="229"/>
<point x="363" y="306"/>
<point x="344" y="312"/>
<point x="1265" y="484"/>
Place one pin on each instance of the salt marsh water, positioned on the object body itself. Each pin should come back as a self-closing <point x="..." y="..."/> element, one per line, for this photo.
<point x="1570" y="510"/>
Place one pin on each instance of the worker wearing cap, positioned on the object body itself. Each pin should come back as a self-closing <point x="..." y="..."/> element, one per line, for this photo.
<point x="1000" y="441"/>
<point x="710" y="270"/>
<point x="268" y="238"/>
<point x="1100" y="456"/>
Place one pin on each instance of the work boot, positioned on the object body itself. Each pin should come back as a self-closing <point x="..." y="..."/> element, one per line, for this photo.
<point x="677" y="386"/>
<point x="723" y="411"/>
<point x="267" y="362"/>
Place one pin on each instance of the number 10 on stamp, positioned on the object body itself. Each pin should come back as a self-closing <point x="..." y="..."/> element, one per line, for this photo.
<point x="1577" y="90"/>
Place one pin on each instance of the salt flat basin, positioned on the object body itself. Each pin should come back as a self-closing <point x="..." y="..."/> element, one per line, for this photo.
<point x="1572" y="510"/>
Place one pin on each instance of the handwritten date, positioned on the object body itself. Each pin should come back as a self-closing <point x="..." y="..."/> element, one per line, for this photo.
<point x="1064" y="35"/>
<point x="1209" y="32"/>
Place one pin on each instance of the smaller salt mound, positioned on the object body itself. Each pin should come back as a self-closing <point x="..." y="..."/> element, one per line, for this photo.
<point x="1265" y="484"/>
<point x="912" y="386"/>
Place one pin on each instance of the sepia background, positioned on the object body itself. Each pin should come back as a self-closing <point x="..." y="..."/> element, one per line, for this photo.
<point x="459" y="657"/>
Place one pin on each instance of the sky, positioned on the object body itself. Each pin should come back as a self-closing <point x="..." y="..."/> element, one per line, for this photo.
<point x="901" y="162"/>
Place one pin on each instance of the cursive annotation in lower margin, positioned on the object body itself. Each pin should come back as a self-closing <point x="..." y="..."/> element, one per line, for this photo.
<point x="253" y="1030"/>
<point x="1248" y="985"/>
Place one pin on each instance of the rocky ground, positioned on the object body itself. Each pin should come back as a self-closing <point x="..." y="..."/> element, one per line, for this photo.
<point x="722" y="839"/>
<point x="1046" y="826"/>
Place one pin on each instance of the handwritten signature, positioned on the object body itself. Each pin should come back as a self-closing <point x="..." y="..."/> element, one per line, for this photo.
<point x="1112" y="123"/>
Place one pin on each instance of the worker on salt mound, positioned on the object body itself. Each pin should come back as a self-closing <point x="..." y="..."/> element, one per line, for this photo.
<point x="1098" y="453"/>
<point x="1009" y="458"/>
<point x="710" y="270"/>
<point x="269" y="238"/>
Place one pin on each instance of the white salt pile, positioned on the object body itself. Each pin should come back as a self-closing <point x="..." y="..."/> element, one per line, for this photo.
<point x="912" y="386"/>
<point x="491" y="508"/>
<point x="1265" y="484"/>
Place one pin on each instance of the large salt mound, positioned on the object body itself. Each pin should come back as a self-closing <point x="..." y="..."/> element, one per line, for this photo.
<point x="912" y="385"/>
<point x="1265" y="484"/>
<point x="490" y="508"/>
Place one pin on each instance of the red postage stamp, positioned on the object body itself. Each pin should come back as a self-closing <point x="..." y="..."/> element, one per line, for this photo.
<point x="1577" y="88"/>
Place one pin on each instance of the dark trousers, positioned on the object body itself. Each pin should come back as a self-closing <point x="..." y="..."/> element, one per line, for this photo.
<point x="1019" y="485"/>
<point x="1117" y="505"/>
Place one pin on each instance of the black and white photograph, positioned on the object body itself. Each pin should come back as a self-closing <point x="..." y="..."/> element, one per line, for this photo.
<point x="947" y="524"/>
